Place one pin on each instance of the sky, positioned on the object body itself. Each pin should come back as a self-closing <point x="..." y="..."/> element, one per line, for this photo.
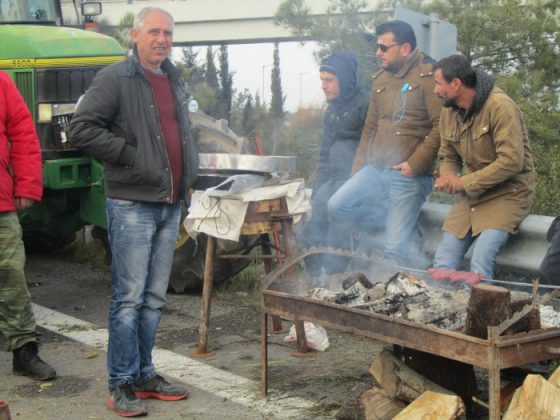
<point x="252" y="64"/>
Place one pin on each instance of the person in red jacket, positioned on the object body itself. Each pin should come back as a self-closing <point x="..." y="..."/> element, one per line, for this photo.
<point x="20" y="186"/>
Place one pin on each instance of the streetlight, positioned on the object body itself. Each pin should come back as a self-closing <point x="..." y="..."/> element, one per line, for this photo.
<point x="263" y="67"/>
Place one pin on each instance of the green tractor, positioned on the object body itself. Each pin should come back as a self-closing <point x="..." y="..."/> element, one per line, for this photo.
<point x="53" y="61"/>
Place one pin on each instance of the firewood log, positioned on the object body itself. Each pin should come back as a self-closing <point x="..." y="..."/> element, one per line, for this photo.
<point x="536" y="399"/>
<point x="433" y="405"/>
<point x="488" y="306"/>
<point x="378" y="405"/>
<point x="398" y="380"/>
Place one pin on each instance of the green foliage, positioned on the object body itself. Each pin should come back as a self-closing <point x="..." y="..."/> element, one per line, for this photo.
<point x="301" y="137"/>
<point x="191" y="71"/>
<point x="278" y="98"/>
<point x="226" y="85"/>
<point x="122" y="32"/>
<point x="348" y="25"/>
<point x="250" y="118"/>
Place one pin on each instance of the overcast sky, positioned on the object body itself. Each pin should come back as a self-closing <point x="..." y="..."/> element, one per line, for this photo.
<point x="299" y="71"/>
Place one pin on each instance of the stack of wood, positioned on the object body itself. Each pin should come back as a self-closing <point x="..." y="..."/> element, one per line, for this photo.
<point x="423" y="380"/>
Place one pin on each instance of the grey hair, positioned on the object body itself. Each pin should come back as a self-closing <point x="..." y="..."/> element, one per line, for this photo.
<point x="141" y="15"/>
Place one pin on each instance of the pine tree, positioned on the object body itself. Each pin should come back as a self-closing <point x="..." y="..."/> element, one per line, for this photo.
<point x="226" y="84"/>
<point x="191" y="71"/>
<point x="211" y="79"/>
<point x="278" y="99"/>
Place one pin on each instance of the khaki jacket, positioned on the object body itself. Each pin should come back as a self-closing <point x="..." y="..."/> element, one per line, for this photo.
<point x="492" y="149"/>
<point x="402" y="120"/>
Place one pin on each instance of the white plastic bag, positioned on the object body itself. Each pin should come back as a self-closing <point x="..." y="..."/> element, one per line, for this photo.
<point x="315" y="334"/>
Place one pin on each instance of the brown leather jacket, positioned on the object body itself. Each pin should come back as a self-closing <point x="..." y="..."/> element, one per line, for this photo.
<point x="402" y="120"/>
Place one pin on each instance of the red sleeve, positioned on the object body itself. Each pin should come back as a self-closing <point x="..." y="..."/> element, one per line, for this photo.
<point x="24" y="147"/>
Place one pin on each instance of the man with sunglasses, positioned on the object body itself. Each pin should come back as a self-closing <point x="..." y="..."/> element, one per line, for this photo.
<point x="398" y="145"/>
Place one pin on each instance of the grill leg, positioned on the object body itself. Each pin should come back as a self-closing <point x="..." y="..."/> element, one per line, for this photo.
<point x="264" y="353"/>
<point x="493" y="375"/>
<point x="267" y="250"/>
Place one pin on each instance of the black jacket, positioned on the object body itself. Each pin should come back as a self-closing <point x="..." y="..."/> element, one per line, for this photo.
<point x="117" y="122"/>
<point x="343" y="121"/>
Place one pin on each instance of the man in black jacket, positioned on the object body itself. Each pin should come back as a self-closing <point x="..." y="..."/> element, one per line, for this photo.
<point x="342" y="125"/>
<point x="134" y="119"/>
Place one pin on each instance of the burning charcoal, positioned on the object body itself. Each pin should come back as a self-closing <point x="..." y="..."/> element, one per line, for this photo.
<point x="405" y="284"/>
<point x="319" y="293"/>
<point x="377" y="291"/>
<point x="355" y="295"/>
<point x="354" y="278"/>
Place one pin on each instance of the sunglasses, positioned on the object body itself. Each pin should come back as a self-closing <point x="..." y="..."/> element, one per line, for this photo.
<point x="385" y="48"/>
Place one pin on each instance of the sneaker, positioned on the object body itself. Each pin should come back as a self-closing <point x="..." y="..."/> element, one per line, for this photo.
<point x="123" y="401"/>
<point x="159" y="388"/>
<point x="27" y="362"/>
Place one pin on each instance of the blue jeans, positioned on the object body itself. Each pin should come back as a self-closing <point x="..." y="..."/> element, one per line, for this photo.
<point x="142" y="237"/>
<point x="488" y="244"/>
<point x="382" y="198"/>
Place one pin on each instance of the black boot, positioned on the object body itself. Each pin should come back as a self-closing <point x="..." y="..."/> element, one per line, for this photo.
<point x="28" y="363"/>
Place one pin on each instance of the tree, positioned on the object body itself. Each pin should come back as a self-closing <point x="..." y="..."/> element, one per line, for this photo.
<point x="278" y="98"/>
<point x="212" y="84"/>
<point x="122" y="32"/>
<point x="191" y="71"/>
<point x="226" y="84"/>
<point x="347" y="25"/>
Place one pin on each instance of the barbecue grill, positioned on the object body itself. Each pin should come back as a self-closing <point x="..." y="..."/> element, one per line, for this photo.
<point x="282" y="295"/>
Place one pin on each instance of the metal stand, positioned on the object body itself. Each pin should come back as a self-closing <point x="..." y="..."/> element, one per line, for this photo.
<point x="263" y="218"/>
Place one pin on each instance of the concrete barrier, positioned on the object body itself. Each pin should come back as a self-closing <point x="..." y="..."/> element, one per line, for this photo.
<point x="523" y="252"/>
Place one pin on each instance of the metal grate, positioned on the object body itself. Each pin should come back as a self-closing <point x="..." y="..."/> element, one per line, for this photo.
<point x="63" y="84"/>
<point x="24" y="81"/>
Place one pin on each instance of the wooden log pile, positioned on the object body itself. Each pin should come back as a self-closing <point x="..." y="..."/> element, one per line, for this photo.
<point x="423" y="381"/>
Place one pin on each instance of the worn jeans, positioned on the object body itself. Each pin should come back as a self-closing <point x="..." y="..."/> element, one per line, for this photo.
<point x="142" y="237"/>
<point x="17" y="321"/>
<point x="487" y="245"/>
<point x="382" y="199"/>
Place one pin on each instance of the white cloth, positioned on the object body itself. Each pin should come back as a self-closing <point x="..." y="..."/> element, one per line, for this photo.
<point x="222" y="216"/>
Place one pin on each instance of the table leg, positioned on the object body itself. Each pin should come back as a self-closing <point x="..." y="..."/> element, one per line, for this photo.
<point x="202" y="348"/>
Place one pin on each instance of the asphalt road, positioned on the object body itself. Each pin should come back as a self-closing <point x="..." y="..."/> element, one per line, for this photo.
<point x="71" y="303"/>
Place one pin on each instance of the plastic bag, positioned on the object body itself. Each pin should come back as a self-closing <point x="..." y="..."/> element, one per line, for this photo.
<point x="315" y="334"/>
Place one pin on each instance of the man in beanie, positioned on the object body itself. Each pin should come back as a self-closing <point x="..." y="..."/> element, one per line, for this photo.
<point x="342" y="126"/>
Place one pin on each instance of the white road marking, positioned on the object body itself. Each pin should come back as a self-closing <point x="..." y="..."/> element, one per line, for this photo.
<point x="235" y="388"/>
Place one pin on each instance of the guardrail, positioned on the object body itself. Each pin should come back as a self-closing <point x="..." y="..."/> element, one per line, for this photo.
<point x="522" y="253"/>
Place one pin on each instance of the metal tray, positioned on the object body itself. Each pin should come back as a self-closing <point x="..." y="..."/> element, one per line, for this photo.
<point x="238" y="164"/>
